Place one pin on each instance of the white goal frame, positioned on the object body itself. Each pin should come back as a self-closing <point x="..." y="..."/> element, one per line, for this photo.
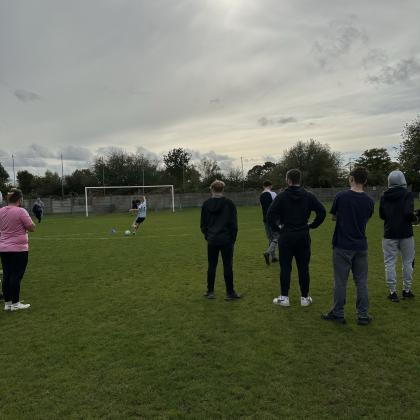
<point x="131" y="187"/>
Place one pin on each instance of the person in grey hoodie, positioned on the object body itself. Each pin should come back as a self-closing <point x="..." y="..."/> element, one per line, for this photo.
<point x="397" y="211"/>
<point x="219" y="226"/>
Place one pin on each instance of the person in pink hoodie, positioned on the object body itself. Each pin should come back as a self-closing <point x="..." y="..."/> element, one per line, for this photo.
<point x="15" y="223"/>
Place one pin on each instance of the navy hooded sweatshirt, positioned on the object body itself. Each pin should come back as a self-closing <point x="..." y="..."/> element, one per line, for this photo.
<point x="291" y="210"/>
<point x="219" y="222"/>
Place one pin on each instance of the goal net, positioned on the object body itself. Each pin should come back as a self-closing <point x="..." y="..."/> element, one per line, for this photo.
<point x="121" y="198"/>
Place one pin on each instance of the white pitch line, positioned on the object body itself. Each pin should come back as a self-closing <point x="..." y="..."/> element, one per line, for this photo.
<point x="81" y="238"/>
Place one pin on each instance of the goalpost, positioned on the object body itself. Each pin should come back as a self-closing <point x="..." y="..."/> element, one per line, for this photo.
<point x="129" y="187"/>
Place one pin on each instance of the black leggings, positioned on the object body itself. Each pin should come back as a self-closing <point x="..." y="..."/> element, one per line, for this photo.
<point x="14" y="266"/>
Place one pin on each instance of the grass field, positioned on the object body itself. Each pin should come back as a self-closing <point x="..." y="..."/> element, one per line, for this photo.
<point x="118" y="328"/>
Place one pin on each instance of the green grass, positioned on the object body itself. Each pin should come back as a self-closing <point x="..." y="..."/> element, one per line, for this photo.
<point x="118" y="328"/>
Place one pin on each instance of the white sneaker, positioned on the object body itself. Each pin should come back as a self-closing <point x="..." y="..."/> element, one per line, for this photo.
<point x="281" y="300"/>
<point x="305" y="301"/>
<point x="18" y="306"/>
<point x="7" y="305"/>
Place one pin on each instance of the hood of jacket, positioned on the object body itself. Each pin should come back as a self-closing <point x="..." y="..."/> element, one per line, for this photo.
<point x="395" y="193"/>
<point x="295" y="193"/>
<point x="215" y="204"/>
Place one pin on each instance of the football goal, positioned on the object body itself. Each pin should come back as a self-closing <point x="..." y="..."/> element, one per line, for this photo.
<point x="99" y="199"/>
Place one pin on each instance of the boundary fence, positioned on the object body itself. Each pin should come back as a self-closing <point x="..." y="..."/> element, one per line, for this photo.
<point x="121" y="203"/>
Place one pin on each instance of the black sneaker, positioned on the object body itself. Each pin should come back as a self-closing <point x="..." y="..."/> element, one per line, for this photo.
<point x="274" y="260"/>
<point x="329" y="316"/>
<point x="267" y="258"/>
<point x="364" y="320"/>
<point x="393" y="297"/>
<point x="232" y="296"/>
<point x="209" y="295"/>
<point x="407" y="295"/>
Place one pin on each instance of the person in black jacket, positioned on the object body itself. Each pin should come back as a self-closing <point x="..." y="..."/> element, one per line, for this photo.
<point x="219" y="225"/>
<point x="288" y="215"/>
<point x="397" y="210"/>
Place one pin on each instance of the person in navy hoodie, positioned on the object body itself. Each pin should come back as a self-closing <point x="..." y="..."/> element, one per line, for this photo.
<point x="351" y="211"/>
<point x="219" y="225"/>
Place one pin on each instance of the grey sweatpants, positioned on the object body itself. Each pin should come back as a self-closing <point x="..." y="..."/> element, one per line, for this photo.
<point x="357" y="262"/>
<point x="272" y="242"/>
<point x="392" y="248"/>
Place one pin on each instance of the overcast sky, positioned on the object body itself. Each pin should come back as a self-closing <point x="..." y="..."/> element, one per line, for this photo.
<point x="228" y="78"/>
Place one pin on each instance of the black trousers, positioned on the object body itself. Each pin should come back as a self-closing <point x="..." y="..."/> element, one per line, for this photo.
<point x="14" y="267"/>
<point x="38" y="215"/>
<point x="213" y="257"/>
<point x="297" y="245"/>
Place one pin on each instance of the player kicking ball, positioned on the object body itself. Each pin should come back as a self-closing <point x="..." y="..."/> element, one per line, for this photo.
<point x="141" y="209"/>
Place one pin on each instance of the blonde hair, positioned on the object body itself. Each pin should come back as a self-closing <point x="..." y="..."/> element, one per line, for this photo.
<point x="217" y="186"/>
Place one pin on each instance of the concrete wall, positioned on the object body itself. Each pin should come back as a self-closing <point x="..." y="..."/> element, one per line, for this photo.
<point x="121" y="203"/>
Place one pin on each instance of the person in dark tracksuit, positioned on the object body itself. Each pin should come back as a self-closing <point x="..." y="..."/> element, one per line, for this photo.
<point x="219" y="225"/>
<point x="38" y="209"/>
<point x="288" y="215"/>
<point x="351" y="211"/>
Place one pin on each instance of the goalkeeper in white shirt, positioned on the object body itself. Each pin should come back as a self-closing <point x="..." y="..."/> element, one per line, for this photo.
<point x="141" y="209"/>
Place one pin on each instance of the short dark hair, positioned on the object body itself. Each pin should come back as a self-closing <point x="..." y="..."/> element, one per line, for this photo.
<point x="360" y="175"/>
<point x="14" y="195"/>
<point x="294" y="176"/>
<point x="267" y="183"/>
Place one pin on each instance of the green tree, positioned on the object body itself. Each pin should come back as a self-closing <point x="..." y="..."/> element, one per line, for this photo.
<point x="409" y="156"/>
<point x="4" y="177"/>
<point x="259" y="173"/>
<point x="378" y="162"/>
<point x="320" y="166"/>
<point x="209" y="170"/>
<point x="79" y="179"/>
<point x="234" y="179"/>
<point x="25" y="181"/>
<point x="47" y="185"/>
<point x="177" y="163"/>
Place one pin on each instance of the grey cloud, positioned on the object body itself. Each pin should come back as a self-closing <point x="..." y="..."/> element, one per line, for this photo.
<point x="22" y="162"/>
<point x="75" y="153"/>
<point x="402" y="71"/>
<point x="341" y="36"/>
<point x="265" y="121"/>
<point x="286" y="120"/>
<point x="26" y="95"/>
<point x="162" y="71"/>
<point x="35" y="151"/>
<point x="270" y="158"/>
<point x="108" y="150"/>
<point x="375" y="57"/>
<point x="225" y="162"/>
<point x="148" y="154"/>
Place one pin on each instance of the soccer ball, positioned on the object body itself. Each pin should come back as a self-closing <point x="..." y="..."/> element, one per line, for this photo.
<point x="127" y="233"/>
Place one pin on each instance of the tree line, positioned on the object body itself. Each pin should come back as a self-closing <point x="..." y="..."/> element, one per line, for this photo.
<point x="320" y="166"/>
